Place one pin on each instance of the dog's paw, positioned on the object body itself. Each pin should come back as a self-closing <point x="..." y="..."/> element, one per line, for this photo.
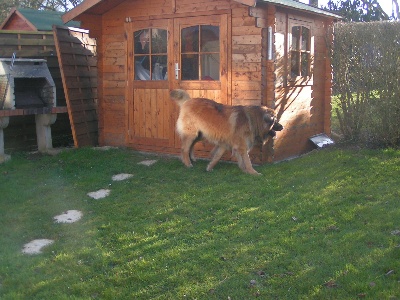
<point x="254" y="172"/>
<point x="189" y="165"/>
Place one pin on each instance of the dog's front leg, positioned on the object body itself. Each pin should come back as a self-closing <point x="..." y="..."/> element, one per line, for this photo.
<point x="245" y="162"/>
<point x="216" y="155"/>
<point x="239" y="159"/>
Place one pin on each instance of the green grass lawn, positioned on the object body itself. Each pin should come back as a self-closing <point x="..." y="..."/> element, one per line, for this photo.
<point x="323" y="226"/>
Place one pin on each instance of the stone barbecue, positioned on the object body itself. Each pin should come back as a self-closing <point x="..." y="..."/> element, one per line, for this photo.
<point x="26" y="83"/>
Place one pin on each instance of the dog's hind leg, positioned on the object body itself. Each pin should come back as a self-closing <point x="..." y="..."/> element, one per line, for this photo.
<point x="191" y="151"/>
<point x="187" y="147"/>
<point x="216" y="155"/>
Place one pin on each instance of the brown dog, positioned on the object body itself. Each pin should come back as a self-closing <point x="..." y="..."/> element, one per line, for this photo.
<point x="235" y="128"/>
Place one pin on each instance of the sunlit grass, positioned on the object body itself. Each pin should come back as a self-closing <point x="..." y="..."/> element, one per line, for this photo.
<point x="318" y="227"/>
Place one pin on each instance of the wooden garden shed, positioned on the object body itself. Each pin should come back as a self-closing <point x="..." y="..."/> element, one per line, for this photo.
<point x="237" y="52"/>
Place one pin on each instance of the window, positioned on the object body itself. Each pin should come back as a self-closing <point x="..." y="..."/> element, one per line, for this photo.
<point x="200" y="53"/>
<point x="300" y="53"/>
<point x="150" y="54"/>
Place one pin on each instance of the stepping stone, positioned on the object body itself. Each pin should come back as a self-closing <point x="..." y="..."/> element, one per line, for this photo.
<point x="70" y="216"/>
<point x="99" y="194"/>
<point x="122" y="176"/>
<point x="147" y="162"/>
<point x="35" y="246"/>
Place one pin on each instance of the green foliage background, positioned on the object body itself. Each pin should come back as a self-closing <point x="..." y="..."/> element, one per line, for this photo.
<point x="366" y="64"/>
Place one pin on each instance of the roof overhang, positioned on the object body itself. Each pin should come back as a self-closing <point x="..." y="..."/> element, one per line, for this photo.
<point x="93" y="7"/>
<point x="99" y="7"/>
<point x="293" y="4"/>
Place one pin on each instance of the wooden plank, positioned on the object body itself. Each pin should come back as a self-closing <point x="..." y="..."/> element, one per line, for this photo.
<point x="247" y="40"/>
<point x="26" y="52"/>
<point x="249" y="57"/>
<point x="247" y="2"/>
<point x="153" y="113"/>
<point x="27" y="42"/>
<point x="78" y="71"/>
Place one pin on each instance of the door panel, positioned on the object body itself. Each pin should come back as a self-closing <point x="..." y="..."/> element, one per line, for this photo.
<point x="151" y="116"/>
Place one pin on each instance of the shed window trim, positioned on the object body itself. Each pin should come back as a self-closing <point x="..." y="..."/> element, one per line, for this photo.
<point x="300" y="51"/>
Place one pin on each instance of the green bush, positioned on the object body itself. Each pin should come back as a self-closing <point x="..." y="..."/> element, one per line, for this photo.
<point x="366" y="64"/>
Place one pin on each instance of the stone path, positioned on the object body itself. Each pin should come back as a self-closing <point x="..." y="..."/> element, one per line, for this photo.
<point x="35" y="246"/>
<point x="99" y="194"/>
<point x="72" y="216"/>
<point x="69" y="216"/>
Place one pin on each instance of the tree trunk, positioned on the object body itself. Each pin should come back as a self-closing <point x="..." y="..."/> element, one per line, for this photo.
<point x="396" y="9"/>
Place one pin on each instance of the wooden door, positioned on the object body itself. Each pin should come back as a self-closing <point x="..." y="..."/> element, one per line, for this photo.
<point x="187" y="53"/>
<point x="150" y="110"/>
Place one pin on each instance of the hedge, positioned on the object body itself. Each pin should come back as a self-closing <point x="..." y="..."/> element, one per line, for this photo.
<point x="366" y="66"/>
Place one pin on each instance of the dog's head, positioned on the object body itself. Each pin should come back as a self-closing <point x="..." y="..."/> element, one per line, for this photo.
<point x="271" y="125"/>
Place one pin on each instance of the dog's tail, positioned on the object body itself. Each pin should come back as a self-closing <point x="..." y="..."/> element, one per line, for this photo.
<point x="179" y="96"/>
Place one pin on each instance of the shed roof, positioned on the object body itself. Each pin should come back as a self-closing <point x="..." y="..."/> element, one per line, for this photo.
<point x="40" y="20"/>
<point x="95" y="7"/>
<point x="301" y="6"/>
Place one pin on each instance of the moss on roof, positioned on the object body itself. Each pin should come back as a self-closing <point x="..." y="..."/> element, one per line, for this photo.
<point x="45" y="19"/>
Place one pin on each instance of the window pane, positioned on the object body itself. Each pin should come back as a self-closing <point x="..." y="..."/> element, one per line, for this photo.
<point x="295" y="37"/>
<point x="200" y="48"/>
<point x="141" y="40"/>
<point x="158" y="41"/>
<point x="304" y="64"/>
<point x="209" y="38"/>
<point x="190" y="39"/>
<point x="159" y="67"/>
<point x="305" y="39"/>
<point x="210" y="66"/>
<point x="147" y="65"/>
<point x="295" y="68"/>
<point x="190" y="67"/>
<point x="142" y="67"/>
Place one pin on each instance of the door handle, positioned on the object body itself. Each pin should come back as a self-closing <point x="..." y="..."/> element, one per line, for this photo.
<point x="177" y="70"/>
